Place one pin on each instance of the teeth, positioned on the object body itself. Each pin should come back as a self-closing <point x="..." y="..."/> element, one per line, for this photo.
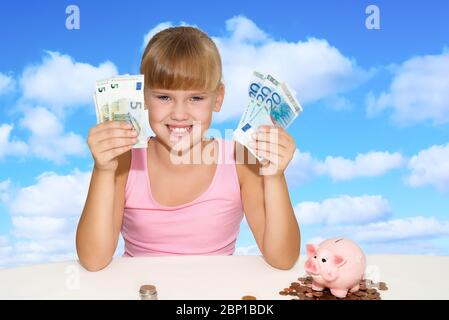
<point x="180" y="130"/>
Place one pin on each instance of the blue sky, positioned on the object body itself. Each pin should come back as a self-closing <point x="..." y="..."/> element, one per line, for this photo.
<point x="372" y="141"/>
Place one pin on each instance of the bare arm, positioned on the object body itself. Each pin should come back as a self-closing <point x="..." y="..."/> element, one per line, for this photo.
<point x="97" y="234"/>
<point x="281" y="237"/>
<point x="270" y="217"/>
<point x="267" y="204"/>
<point x="100" y="222"/>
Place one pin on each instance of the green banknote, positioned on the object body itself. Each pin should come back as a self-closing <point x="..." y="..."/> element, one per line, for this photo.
<point x="121" y="98"/>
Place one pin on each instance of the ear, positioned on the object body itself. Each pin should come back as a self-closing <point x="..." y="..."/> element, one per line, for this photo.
<point x="311" y="250"/>
<point x="220" y="98"/>
<point x="339" y="260"/>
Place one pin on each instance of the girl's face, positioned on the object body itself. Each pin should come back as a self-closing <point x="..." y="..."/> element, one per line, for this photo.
<point x="179" y="118"/>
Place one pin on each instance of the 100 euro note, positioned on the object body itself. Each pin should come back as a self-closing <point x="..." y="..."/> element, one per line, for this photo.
<point x="279" y="107"/>
<point x="127" y="104"/>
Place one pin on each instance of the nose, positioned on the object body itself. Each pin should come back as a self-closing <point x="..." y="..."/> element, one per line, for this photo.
<point x="179" y="111"/>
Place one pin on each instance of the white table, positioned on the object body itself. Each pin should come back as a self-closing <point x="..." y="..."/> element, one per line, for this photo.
<point x="211" y="278"/>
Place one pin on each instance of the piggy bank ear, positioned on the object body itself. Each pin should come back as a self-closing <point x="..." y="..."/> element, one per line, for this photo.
<point x="339" y="260"/>
<point x="311" y="250"/>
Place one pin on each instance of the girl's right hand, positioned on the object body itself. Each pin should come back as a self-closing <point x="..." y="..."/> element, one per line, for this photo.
<point x="108" y="140"/>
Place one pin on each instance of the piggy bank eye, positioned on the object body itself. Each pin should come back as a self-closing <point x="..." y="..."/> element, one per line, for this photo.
<point x="314" y="257"/>
<point x="323" y="260"/>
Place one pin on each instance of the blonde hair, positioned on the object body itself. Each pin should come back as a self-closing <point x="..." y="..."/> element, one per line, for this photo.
<point x="181" y="58"/>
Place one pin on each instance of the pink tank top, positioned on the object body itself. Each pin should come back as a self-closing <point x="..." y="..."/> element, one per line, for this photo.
<point x="208" y="225"/>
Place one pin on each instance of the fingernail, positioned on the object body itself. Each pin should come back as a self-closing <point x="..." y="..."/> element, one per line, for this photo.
<point x="252" y="144"/>
<point x="254" y="135"/>
<point x="134" y="133"/>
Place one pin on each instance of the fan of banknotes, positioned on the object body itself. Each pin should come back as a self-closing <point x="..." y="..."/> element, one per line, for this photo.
<point x="121" y="98"/>
<point x="270" y="103"/>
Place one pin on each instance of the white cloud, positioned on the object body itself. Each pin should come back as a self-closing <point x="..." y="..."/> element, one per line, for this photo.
<point x="3" y="241"/>
<point x="10" y="146"/>
<point x="418" y="92"/>
<point x="36" y="252"/>
<point x="430" y="167"/>
<point x="59" y="82"/>
<point x="52" y="196"/>
<point x="48" y="139"/>
<point x="6" y="83"/>
<point x="314" y="240"/>
<point x="370" y="164"/>
<point x="243" y="30"/>
<point x="44" y="218"/>
<point x="397" y="230"/>
<point x="412" y="246"/>
<point x="313" y="67"/>
<point x="343" y="210"/>
<point x="40" y="227"/>
<point x="5" y="187"/>
<point x="304" y="166"/>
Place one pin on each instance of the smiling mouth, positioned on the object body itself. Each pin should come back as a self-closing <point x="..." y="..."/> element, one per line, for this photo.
<point x="179" y="130"/>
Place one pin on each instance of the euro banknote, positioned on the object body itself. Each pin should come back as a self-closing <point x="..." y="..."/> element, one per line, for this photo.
<point x="253" y="89"/>
<point x="271" y="103"/>
<point x="121" y="98"/>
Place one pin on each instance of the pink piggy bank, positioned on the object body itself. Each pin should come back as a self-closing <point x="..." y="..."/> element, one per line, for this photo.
<point x="337" y="264"/>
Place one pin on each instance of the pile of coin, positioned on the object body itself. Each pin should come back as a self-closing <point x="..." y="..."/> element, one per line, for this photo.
<point x="302" y="290"/>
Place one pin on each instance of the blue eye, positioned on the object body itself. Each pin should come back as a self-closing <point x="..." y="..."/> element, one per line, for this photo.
<point x="196" y="98"/>
<point x="163" y="98"/>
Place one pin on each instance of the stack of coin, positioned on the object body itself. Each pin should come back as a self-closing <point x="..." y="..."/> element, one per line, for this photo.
<point x="148" y="292"/>
<point x="302" y="290"/>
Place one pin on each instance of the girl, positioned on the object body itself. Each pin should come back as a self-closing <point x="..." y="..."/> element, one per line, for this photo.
<point x="164" y="203"/>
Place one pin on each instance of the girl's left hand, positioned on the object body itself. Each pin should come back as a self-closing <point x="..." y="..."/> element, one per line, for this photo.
<point x="276" y="146"/>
